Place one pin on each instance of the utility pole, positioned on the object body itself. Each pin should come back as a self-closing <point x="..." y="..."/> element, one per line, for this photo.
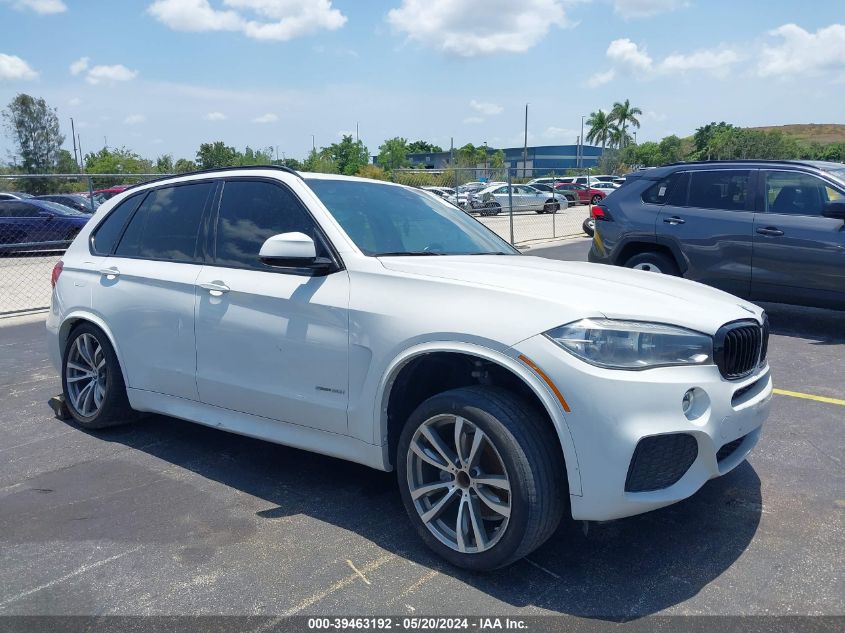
<point x="525" y="145"/>
<point x="356" y="131"/>
<point x="277" y="153"/>
<point x="313" y="145"/>
<point x="81" y="155"/>
<point x="73" y="136"/>
<point x="581" y="153"/>
<point x="485" y="159"/>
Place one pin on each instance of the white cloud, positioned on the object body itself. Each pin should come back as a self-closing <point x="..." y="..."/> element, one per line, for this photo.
<point x="473" y="120"/>
<point x="14" y="68"/>
<point x="470" y="28"/>
<point x="278" y="20"/>
<point x="485" y="108"/>
<point x="117" y="72"/>
<point x="630" y="56"/>
<point x="553" y="133"/>
<point x="644" y="8"/>
<point x="599" y="79"/>
<point x="75" y="101"/>
<point x="79" y="66"/>
<point x="716" y="61"/>
<point x="627" y="53"/>
<point x="42" y="6"/>
<point x="134" y="119"/>
<point x="215" y="116"/>
<point x="802" y="52"/>
<point x="266" y="118"/>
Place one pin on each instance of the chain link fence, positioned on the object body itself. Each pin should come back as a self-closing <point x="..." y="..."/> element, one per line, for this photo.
<point x="41" y="214"/>
<point x="510" y="201"/>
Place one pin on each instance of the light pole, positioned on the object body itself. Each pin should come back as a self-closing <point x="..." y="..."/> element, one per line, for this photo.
<point x="581" y="144"/>
<point x="485" y="159"/>
<point x="313" y="144"/>
<point x="635" y="137"/>
<point x="525" y="146"/>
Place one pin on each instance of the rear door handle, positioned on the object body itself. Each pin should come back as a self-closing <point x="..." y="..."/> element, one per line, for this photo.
<point x="215" y="288"/>
<point x="110" y="273"/>
<point x="674" y="220"/>
<point x="771" y="231"/>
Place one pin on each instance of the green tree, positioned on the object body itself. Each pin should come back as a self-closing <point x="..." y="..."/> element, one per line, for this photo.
<point x="423" y="147"/>
<point x="320" y="162"/>
<point x="291" y="163"/>
<point x="66" y="163"/>
<point x="217" y="154"/>
<point x="601" y="128"/>
<point x="623" y="114"/>
<point x="470" y="156"/>
<point x="704" y="136"/>
<point x="115" y="161"/>
<point x="183" y="165"/>
<point x="164" y="164"/>
<point x="348" y="155"/>
<point x="375" y="172"/>
<point x="671" y="149"/>
<point x="254" y="157"/>
<point x="393" y="153"/>
<point x="33" y="127"/>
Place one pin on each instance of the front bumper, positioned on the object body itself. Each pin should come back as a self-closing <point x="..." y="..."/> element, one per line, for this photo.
<point x="613" y="410"/>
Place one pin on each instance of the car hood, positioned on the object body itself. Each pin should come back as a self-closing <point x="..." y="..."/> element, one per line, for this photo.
<point x="558" y="292"/>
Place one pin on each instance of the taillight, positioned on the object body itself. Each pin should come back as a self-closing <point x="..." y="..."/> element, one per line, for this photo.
<point x="57" y="270"/>
<point x="600" y="213"/>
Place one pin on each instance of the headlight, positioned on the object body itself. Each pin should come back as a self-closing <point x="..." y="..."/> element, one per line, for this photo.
<point x="633" y="344"/>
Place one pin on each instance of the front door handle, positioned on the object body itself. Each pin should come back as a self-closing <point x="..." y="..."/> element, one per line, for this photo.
<point x="674" y="220"/>
<point x="770" y="231"/>
<point x="215" y="288"/>
<point x="110" y="272"/>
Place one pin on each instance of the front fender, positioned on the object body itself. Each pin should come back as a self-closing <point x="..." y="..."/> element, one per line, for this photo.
<point x="508" y="360"/>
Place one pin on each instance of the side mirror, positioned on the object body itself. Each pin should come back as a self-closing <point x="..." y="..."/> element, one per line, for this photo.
<point x="292" y="250"/>
<point x="834" y="210"/>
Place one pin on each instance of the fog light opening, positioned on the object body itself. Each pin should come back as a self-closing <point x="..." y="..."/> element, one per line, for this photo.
<point x="688" y="401"/>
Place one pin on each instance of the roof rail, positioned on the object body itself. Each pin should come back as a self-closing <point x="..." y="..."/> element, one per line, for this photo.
<point x="791" y="161"/>
<point x="214" y="170"/>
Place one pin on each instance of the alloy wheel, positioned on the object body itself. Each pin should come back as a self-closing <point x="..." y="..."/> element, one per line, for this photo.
<point x="458" y="484"/>
<point x="85" y="375"/>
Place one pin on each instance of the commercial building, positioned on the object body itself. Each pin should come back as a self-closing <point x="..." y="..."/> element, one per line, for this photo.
<point x="542" y="159"/>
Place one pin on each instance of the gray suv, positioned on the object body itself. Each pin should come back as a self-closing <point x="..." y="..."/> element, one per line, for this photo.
<point x="761" y="230"/>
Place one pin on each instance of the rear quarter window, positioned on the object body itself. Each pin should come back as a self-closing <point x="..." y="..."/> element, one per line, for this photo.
<point x="106" y="235"/>
<point x="660" y="191"/>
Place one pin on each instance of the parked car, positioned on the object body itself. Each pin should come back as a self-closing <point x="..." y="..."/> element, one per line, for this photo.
<point x="586" y="195"/>
<point x="763" y="230"/>
<point x="493" y="199"/>
<point x="607" y="187"/>
<point x="34" y="224"/>
<point x="74" y="201"/>
<point x="328" y="327"/>
<point x="13" y="195"/>
<point x="110" y="192"/>
<point x="571" y="196"/>
<point x="549" y="181"/>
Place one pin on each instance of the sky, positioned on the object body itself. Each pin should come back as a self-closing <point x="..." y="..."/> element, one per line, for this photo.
<point x="162" y="76"/>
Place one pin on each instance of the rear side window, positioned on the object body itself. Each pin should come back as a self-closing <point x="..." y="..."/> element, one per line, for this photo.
<point x="252" y="211"/>
<point x="167" y="223"/>
<point x="106" y="235"/>
<point x="726" y="189"/>
<point x="660" y="191"/>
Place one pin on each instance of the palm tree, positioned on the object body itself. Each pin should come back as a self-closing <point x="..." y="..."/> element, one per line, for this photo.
<point x="619" y="138"/>
<point x="601" y="128"/>
<point x="624" y="114"/>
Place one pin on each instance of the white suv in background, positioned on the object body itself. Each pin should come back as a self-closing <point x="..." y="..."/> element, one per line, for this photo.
<point x="375" y="323"/>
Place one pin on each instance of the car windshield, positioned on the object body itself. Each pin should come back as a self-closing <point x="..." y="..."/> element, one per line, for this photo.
<point x="837" y="173"/>
<point x="386" y="220"/>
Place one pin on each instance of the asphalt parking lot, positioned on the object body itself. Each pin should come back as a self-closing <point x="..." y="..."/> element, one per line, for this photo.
<point x="167" y="517"/>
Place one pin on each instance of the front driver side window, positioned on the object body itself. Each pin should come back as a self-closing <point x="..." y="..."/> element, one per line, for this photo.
<point x="250" y="212"/>
<point x="796" y="193"/>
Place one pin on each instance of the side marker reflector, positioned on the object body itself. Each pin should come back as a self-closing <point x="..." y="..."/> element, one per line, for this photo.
<point x="547" y="380"/>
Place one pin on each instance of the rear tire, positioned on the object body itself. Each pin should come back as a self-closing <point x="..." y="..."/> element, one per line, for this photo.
<point x="551" y="206"/>
<point x="470" y="523"/>
<point x="92" y="380"/>
<point x="654" y="262"/>
<point x="491" y="208"/>
<point x="595" y="199"/>
<point x="589" y="226"/>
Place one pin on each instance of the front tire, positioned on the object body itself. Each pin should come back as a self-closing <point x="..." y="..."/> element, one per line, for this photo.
<point x="481" y="476"/>
<point x="92" y="380"/>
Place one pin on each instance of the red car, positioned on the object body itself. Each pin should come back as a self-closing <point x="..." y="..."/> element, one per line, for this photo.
<point x="586" y="195"/>
<point x="105" y="194"/>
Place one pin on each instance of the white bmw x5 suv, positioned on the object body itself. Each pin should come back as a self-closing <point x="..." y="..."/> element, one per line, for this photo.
<point x="376" y="323"/>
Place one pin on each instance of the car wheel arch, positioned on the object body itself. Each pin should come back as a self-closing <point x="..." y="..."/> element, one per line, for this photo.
<point x="77" y="318"/>
<point x="388" y="430"/>
<point x="628" y="247"/>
